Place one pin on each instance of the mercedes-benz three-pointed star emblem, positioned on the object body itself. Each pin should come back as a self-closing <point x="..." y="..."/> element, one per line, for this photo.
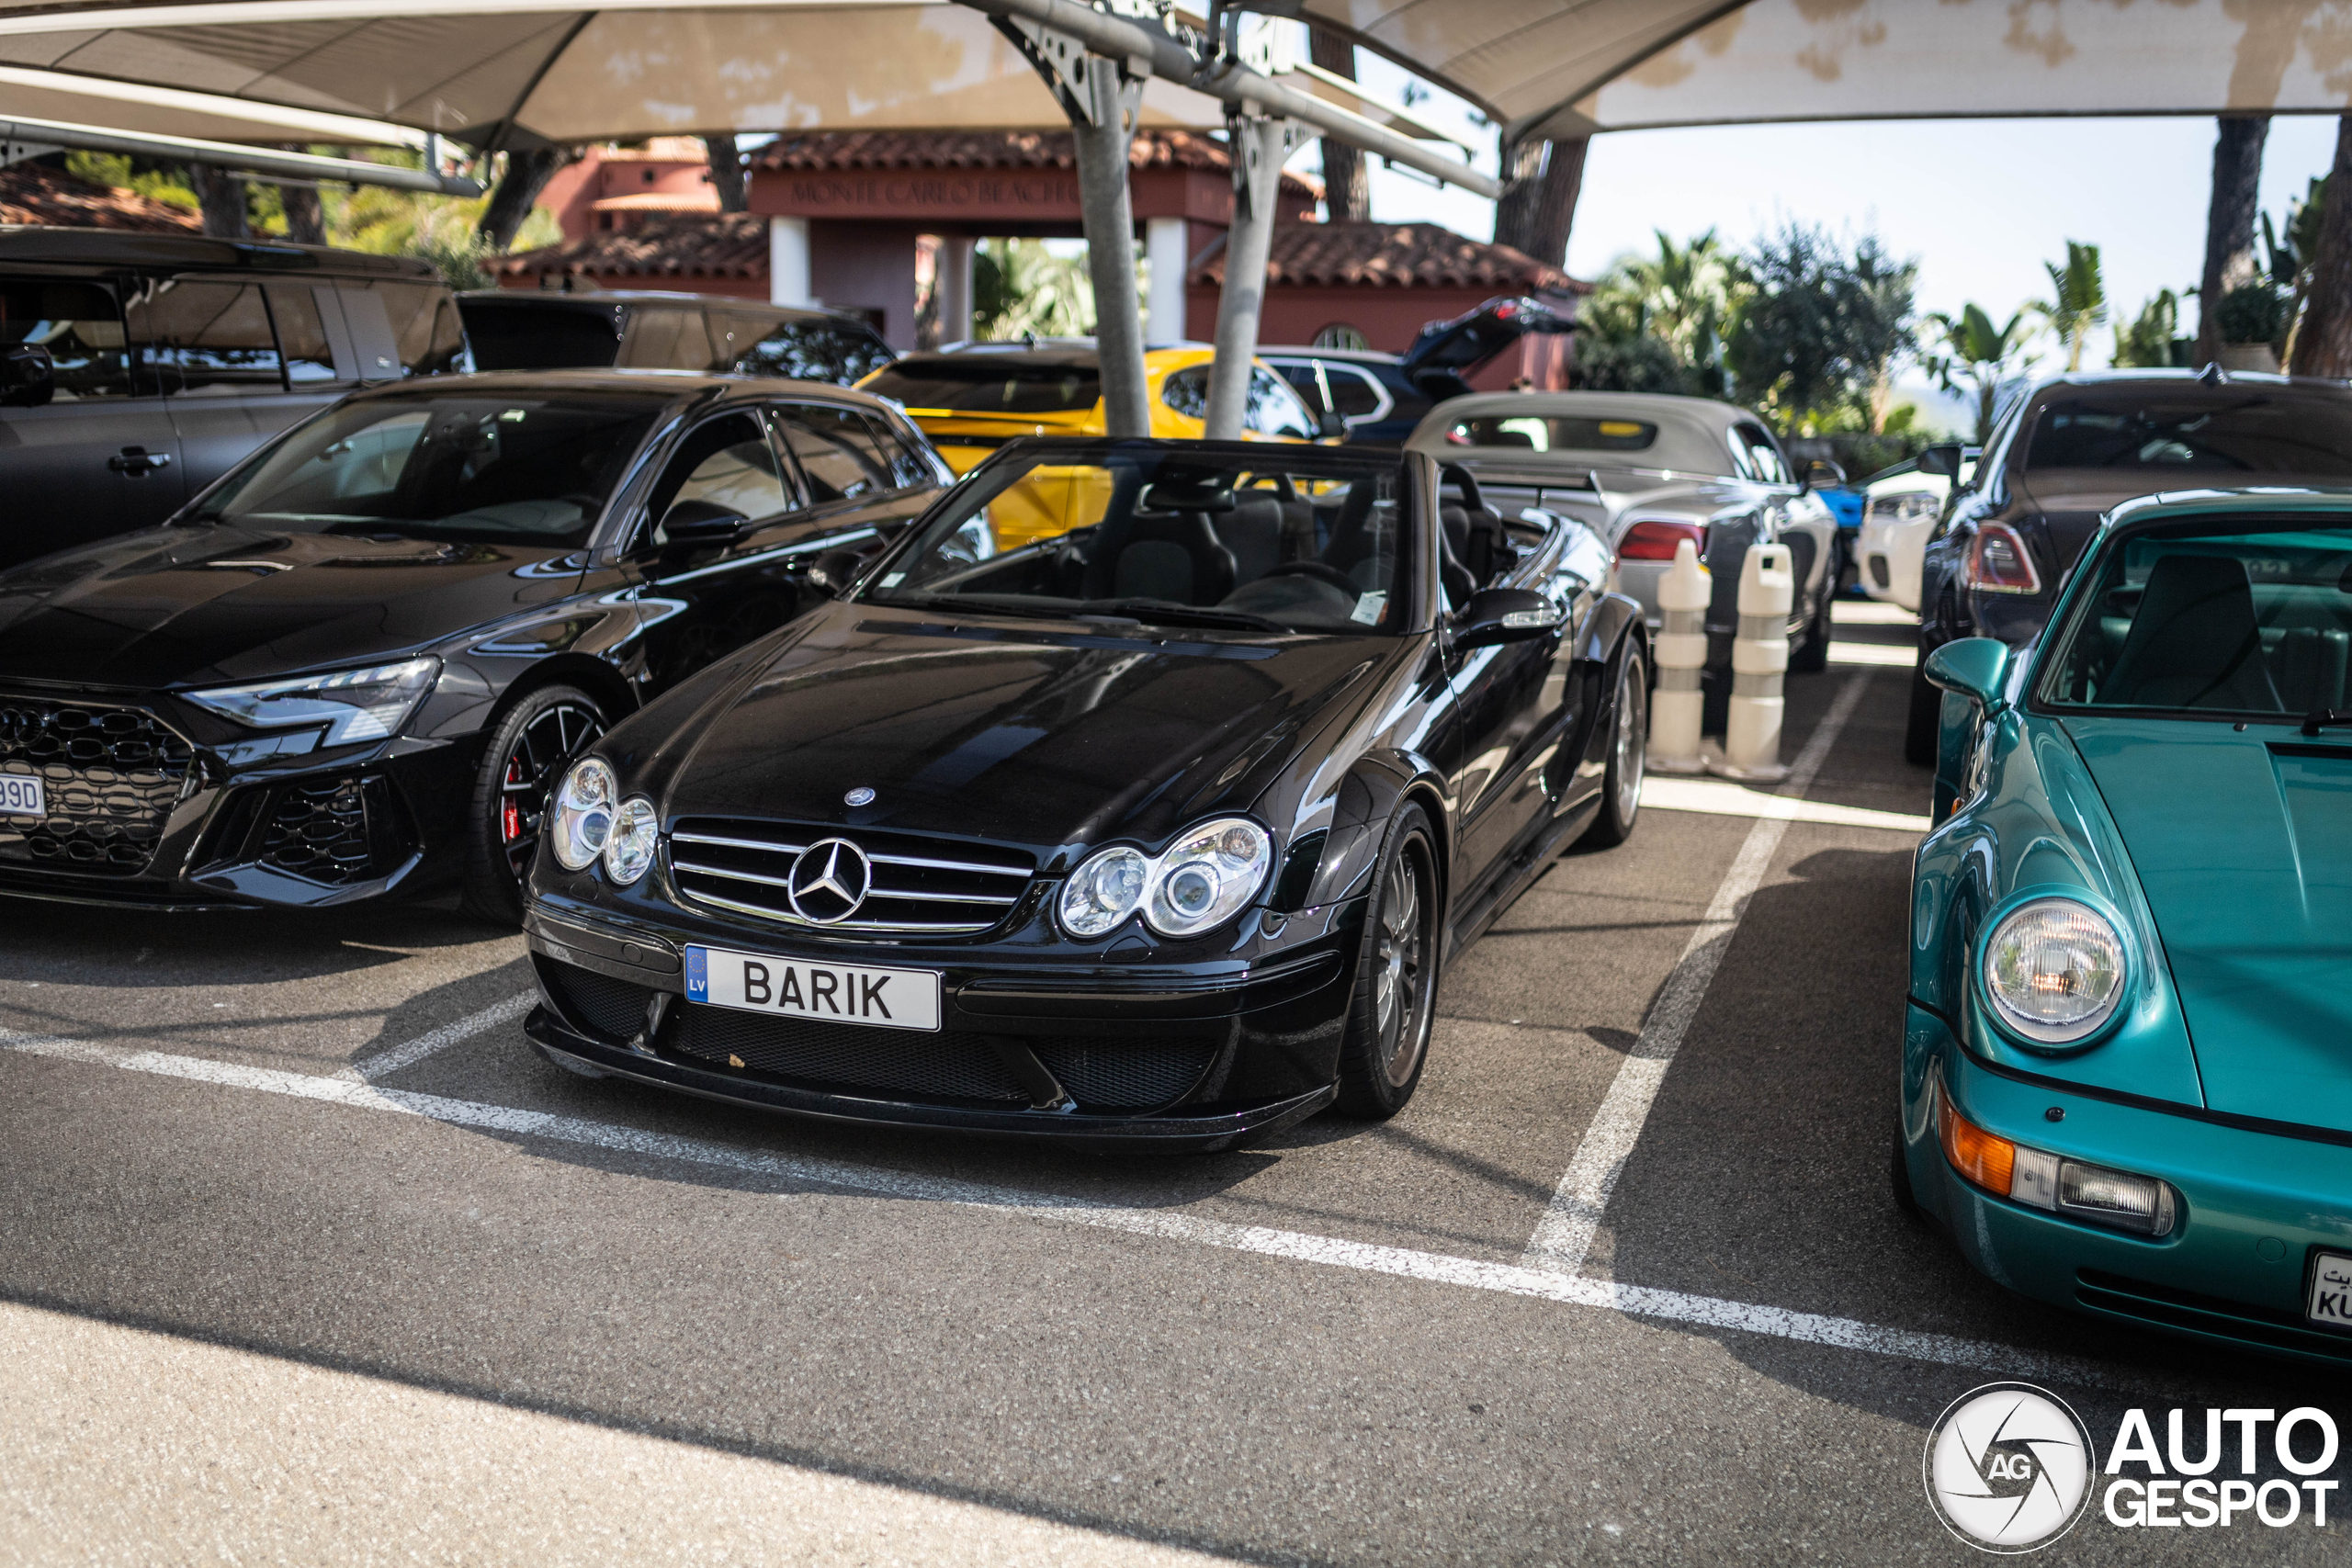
<point x="829" y="881"/>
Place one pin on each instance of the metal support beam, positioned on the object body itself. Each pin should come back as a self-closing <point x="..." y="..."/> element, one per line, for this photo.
<point x="1261" y="147"/>
<point x="267" y="161"/>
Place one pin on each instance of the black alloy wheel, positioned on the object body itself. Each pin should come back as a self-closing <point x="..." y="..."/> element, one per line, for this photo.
<point x="1620" y="787"/>
<point x="1395" y="1003"/>
<point x="536" y="740"/>
<point x="1810" y="656"/>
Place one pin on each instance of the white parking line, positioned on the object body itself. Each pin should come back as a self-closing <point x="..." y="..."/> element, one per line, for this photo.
<point x="1564" y="1236"/>
<point x="1707" y="1312"/>
<point x="1721" y="798"/>
<point x="385" y="1063"/>
<point x="1873" y="653"/>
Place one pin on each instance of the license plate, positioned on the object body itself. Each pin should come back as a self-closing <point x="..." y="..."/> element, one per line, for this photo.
<point x="2329" y="1300"/>
<point x="22" y="796"/>
<point x="795" y="988"/>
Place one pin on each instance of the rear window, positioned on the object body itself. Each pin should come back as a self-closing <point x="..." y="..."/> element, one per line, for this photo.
<point x="541" y="337"/>
<point x="988" y="384"/>
<point x="2255" y="432"/>
<point x="1554" y="433"/>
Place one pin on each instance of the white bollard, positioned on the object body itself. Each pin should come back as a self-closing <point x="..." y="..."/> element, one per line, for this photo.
<point x="1681" y="654"/>
<point x="1760" y="661"/>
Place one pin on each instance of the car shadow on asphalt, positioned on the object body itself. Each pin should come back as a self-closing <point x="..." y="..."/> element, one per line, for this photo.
<point x="79" y="945"/>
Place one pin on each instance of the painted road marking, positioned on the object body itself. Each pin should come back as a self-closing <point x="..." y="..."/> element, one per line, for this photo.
<point x="385" y="1063"/>
<point x="1564" y="1236"/>
<point x="1873" y="653"/>
<point x="1721" y="798"/>
<point x="1869" y="612"/>
<point x="1568" y="1288"/>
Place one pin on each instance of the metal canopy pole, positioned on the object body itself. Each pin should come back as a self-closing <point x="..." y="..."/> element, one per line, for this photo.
<point x="1101" y="97"/>
<point x="1261" y="147"/>
<point x="21" y="137"/>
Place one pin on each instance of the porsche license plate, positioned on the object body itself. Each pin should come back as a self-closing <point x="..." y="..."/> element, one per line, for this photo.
<point x="794" y="987"/>
<point x="2329" y="1300"/>
<point x="22" y="796"/>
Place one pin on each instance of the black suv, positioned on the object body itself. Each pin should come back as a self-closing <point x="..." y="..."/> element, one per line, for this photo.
<point x="644" y="329"/>
<point x="135" y="369"/>
<point x="1380" y="397"/>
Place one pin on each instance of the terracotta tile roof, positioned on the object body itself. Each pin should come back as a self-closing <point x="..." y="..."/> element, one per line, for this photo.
<point x="30" y="193"/>
<point x="1392" y="255"/>
<point x="1150" y="149"/>
<point x="703" y="201"/>
<point x="730" y="244"/>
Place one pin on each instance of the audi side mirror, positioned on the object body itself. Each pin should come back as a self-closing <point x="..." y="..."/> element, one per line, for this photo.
<point x="832" y="572"/>
<point x="1941" y="459"/>
<point x="28" y="376"/>
<point x="1505" y="615"/>
<point x="1823" y="474"/>
<point x="699" y="524"/>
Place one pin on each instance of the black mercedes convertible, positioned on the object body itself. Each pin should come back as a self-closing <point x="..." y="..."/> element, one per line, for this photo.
<point x="1141" y="790"/>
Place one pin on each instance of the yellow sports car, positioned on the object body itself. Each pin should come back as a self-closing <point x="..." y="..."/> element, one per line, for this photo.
<point x="972" y="400"/>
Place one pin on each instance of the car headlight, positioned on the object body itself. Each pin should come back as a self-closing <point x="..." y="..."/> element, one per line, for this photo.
<point x="351" y="705"/>
<point x="2054" y="970"/>
<point x="580" y="821"/>
<point x="1910" y="507"/>
<point x="1199" y="882"/>
<point x="628" y="848"/>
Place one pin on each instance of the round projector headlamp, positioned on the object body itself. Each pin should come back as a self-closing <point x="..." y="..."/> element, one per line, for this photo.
<point x="2055" y="969"/>
<point x="1103" y="890"/>
<point x="579" y="819"/>
<point x="1206" y="876"/>
<point x="629" y="849"/>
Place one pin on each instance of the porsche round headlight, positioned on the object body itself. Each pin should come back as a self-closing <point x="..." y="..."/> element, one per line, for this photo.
<point x="1103" y="890"/>
<point x="629" y="849"/>
<point x="1207" y="877"/>
<point x="581" y="818"/>
<point x="2055" y="969"/>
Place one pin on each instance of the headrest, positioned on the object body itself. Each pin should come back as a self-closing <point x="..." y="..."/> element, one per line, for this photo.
<point x="1188" y="492"/>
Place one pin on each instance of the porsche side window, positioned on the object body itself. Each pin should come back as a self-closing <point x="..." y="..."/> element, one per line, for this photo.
<point x="1759" y="456"/>
<point x="836" y="451"/>
<point x="729" y="463"/>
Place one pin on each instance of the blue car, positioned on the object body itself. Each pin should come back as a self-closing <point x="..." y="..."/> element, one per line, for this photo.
<point x="2127" y="1065"/>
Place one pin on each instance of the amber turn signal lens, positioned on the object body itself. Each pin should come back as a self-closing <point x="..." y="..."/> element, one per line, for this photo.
<point x="1989" y="1162"/>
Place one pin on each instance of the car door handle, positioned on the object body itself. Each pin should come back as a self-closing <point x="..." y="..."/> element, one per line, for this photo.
<point x="137" y="461"/>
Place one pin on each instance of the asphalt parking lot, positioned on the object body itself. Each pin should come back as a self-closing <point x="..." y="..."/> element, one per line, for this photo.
<point x="305" y="1256"/>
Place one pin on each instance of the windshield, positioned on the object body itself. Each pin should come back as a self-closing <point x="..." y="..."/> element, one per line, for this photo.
<point x="1271" y="540"/>
<point x="2286" y="431"/>
<point x="490" y="469"/>
<point x="2205" y="619"/>
<point x="990" y="383"/>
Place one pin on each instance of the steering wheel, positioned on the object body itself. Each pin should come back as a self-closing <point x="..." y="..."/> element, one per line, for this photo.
<point x="1321" y="571"/>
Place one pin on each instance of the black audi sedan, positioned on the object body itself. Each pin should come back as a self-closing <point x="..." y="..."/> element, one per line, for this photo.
<point x="1142" y="789"/>
<point x="355" y="664"/>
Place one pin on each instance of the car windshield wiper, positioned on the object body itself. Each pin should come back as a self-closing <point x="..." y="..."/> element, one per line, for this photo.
<point x="975" y="606"/>
<point x="1151" y="610"/>
<point x="2325" y="718"/>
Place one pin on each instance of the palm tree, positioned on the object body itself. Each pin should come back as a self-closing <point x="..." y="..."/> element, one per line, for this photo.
<point x="2148" y="339"/>
<point x="1684" y="295"/>
<point x="2078" y="299"/>
<point x="1986" y="358"/>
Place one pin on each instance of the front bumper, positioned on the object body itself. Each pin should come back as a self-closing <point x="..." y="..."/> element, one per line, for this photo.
<point x="2252" y="1207"/>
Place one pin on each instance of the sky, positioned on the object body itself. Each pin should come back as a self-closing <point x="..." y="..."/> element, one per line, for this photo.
<point x="1980" y="205"/>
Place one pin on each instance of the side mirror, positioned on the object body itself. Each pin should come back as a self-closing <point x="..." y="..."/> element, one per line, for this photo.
<point x="1942" y="458"/>
<point x="1823" y="474"/>
<point x="1975" y="667"/>
<point x="1331" y="426"/>
<point x="832" y="573"/>
<point x="1505" y="615"/>
<point x="698" y="524"/>
<point x="28" y="376"/>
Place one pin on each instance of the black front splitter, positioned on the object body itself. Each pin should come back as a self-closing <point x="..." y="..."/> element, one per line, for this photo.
<point x="1203" y="1134"/>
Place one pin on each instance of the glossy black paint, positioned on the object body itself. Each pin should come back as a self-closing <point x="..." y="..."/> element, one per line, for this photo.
<point x="1053" y="738"/>
<point x="128" y="624"/>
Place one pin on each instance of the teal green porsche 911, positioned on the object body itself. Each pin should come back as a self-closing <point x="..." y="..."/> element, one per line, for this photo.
<point x="2127" y="1065"/>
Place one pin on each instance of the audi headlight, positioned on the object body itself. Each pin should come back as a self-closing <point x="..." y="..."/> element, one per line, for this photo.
<point x="2054" y="970"/>
<point x="1200" y="881"/>
<point x="581" y="818"/>
<point x="628" y="848"/>
<point x="350" y="705"/>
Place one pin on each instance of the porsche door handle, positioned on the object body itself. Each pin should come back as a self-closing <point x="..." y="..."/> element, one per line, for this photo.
<point x="137" y="461"/>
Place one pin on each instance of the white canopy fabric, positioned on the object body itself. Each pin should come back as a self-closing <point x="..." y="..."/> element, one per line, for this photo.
<point x="1569" y="67"/>
<point x="561" y="72"/>
<point x="166" y="111"/>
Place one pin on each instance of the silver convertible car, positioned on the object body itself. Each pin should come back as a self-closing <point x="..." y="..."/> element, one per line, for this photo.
<point x="1646" y="471"/>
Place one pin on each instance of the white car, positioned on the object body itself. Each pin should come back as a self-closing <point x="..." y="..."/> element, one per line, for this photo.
<point x="1900" y="506"/>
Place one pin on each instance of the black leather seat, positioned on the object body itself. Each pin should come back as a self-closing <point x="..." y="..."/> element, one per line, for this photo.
<point x="2195" y="642"/>
<point x="1476" y="530"/>
<point x="1164" y="548"/>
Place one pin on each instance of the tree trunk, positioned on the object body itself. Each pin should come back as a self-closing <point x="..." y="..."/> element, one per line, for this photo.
<point x="222" y="195"/>
<point x="306" y="221"/>
<point x="727" y="174"/>
<point x="2229" y="223"/>
<point x="518" y="188"/>
<point x="2323" y="343"/>
<point x="1347" y="186"/>
<point x="1537" y="208"/>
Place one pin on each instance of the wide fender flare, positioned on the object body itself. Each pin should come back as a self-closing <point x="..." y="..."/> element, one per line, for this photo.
<point x="1335" y="864"/>
<point x="1615" y="624"/>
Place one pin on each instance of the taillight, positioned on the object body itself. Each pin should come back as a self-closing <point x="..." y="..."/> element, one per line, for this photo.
<point x="1998" y="562"/>
<point x="1656" y="541"/>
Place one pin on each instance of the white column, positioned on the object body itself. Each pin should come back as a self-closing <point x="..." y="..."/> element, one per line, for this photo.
<point x="788" y="262"/>
<point x="1164" y="243"/>
<point x="954" y="281"/>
